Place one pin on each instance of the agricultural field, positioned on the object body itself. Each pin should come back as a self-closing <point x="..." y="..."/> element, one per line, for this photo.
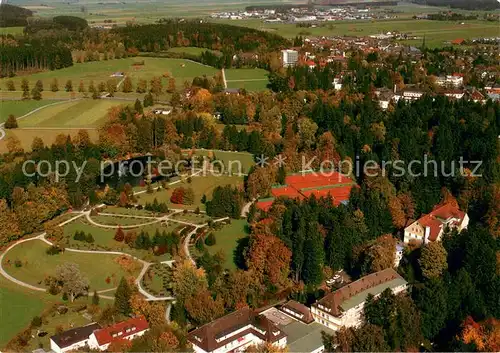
<point x="435" y="32"/>
<point x="249" y="79"/>
<point x="37" y="265"/>
<point x="101" y="71"/>
<point x="227" y="239"/>
<point x="201" y="185"/>
<point x="11" y="30"/>
<point x="84" y="113"/>
<point x="19" y="108"/>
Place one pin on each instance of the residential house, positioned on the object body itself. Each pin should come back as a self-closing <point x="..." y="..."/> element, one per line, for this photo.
<point x="236" y="331"/>
<point x="344" y="307"/>
<point x="430" y="227"/>
<point x="125" y="330"/>
<point x="73" y="339"/>
<point x="454" y="94"/>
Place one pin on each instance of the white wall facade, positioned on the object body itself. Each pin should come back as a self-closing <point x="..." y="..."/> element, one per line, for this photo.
<point x="92" y="342"/>
<point x="73" y="347"/>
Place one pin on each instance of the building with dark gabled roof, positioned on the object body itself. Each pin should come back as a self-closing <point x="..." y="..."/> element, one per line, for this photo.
<point x="344" y="307"/>
<point x="298" y="311"/>
<point x="236" y="331"/>
<point x="73" y="339"/>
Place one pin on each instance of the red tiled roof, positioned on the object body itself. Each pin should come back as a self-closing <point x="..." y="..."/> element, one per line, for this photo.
<point x="438" y="215"/>
<point x="127" y="328"/>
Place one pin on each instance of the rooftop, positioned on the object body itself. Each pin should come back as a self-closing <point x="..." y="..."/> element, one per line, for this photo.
<point x="78" y="334"/>
<point x="121" y="330"/>
<point x="356" y="292"/>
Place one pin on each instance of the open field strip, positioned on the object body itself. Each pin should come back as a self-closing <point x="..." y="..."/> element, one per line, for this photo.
<point x="101" y="71"/>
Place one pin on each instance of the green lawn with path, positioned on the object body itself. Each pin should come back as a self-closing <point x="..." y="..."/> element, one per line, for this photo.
<point x="123" y="221"/>
<point x="37" y="265"/>
<point x="191" y="50"/>
<point x="226" y="240"/>
<point x="104" y="238"/>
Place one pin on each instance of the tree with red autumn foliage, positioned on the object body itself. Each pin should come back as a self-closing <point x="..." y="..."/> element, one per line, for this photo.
<point x="119" y="235"/>
<point x="177" y="196"/>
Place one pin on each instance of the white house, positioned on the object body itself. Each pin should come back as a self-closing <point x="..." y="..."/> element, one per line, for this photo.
<point x="430" y="227"/>
<point x="129" y="329"/>
<point x="236" y="331"/>
<point x="289" y="57"/>
<point x="73" y="339"/>
<point x="344" y="307"/>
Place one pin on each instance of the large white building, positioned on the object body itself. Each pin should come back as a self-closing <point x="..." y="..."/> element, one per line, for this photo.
<point x="430" y="227"/>
<point x="289" y="57"/>
<point x="236" y="331"/>
<point x="344" y="307"/>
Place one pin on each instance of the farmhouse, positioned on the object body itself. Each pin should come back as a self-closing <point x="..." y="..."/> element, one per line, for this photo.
<point x="431" y="227"/>
<point x="236" y="331"/>
<point x="73" y="339"/>
<point x="344" y="307"/>
<point x="129" y="329"/>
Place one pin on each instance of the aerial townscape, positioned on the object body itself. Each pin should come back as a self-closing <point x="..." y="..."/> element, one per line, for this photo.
<point x="251" y="176"/>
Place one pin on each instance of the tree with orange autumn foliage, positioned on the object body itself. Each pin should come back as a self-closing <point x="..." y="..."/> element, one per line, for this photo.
<point x="202" y="308"/>
<point x="269" y="259"/>
<point x="484" y="335"/>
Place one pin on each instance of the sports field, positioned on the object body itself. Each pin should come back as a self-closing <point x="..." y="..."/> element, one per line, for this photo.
<point x="237" y="162"/>
<point x="249" y="79"/>
<point x="37" y="265"/>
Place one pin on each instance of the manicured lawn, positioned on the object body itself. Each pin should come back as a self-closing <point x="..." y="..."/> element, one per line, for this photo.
<point x="226" y="240"/>
<point x="128" y="211"/>
<point x="17" y="308"/>
<point x="100" y="71"/>
<point x="201" y="185"/>
<point x="72" y="114"/>
<point x="37" y="265"/>
<point x="192" y="217"/>
<point x="19" y="108"/>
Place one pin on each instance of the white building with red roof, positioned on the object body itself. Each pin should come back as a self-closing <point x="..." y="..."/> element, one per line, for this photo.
<point x="129" y="329"/>
<point x="430" y="227"/>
